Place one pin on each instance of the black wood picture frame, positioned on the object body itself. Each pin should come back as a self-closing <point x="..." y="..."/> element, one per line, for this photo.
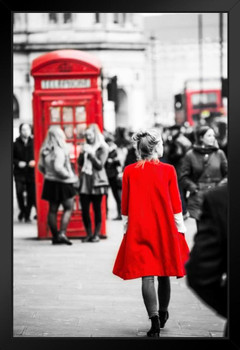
<point x="7" y="8"/>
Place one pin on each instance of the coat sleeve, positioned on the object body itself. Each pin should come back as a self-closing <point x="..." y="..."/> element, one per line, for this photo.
<point x="125" y="193"/>
<point x="174" y="192"/>
<point x="205" y="267"/>
<point x="224" y="164"/>
<point x="186" y="173"/>
<point x="16" y="156"/>
<point x="99" y="162"/>
<point x="59" y="165"/>
<point x="41" y="166"/>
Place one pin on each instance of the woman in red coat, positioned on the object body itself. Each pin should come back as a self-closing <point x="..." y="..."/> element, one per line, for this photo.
<point x="154" y="242"/>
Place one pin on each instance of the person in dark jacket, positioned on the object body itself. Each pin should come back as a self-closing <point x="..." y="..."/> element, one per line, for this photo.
<point x="131" y="156"/>
<point x="123" y="143"/>
<point x="203" y="167"/>
<point x="207" y="265"/>
<point x="24" y="164"/>
<point x="114" y="170"/>
<point x="93" y="179"/>
<point x="177" y="145"/>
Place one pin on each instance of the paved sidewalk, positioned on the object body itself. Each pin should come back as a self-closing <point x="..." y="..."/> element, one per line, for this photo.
<point x="70" y="291"/>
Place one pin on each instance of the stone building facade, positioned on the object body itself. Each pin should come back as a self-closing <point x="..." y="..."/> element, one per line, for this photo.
<point x="151" y="56"/>
<point x="116" y="39"/>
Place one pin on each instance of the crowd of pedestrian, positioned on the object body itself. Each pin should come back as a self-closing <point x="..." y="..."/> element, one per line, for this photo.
<point x="181" y="142"/>
<point x="198" y="154"/>
<point x="158" y="177"/>
<point x="200" y="167"/>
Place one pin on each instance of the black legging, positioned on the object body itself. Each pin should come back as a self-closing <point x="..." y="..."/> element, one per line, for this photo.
<point x="150" y="296"/>
<point x="29" y="187"/>
<point x="85" y="200"/>
<point x="113" y="182"/>
<point x="52" y="215"/>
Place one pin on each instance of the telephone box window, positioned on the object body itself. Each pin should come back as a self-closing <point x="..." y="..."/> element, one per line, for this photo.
<point x="55" y="114"/>
<point x="80" y="129"/>
<point x="80" y="114"/>
<point x="75" y="206"/>
<point x="68" y="130"/>
<point x="67" y="114"/>
<point x="79" y="149"/>
<point x="72" y="151"/>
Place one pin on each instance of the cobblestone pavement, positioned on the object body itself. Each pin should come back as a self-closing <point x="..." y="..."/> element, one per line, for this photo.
<point x="70" y="291"/>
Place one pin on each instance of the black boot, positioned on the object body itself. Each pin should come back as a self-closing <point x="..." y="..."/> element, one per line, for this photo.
<point x="163" y="317"/>
<point x="89" y="236"/>
<point x="55" y="240"/>
<point x="119" y="217"/>
<point x="61" y="238"/>
<point x="20" y="216"/>
<point x="154" y="331"/>
<point x="55" y="234"/>
<point x="27" y="214"/>
<point x="96" y="237"/>
<point x="87" y="239"/>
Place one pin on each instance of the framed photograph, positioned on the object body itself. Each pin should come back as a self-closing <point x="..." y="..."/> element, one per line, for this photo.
<point x="8" y="340"/>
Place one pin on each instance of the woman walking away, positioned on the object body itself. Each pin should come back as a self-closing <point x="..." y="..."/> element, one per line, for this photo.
<point x="203" y="167"/>
<point x="54" y="163"/>
<point x="154" y="240"/>
<point x="93" y="179"/>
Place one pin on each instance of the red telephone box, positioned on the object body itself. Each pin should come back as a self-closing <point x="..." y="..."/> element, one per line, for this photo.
<point x="67" y="92"/>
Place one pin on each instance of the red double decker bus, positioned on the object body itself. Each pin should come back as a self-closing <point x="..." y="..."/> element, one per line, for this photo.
<point x="194" y="104"/>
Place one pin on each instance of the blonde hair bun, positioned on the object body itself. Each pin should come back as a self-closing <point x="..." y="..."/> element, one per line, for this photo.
<point x="139" y="135"/>
<point x="146" y="142"/>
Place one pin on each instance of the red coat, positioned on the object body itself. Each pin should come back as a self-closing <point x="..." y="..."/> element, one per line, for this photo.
<point x="152" y="244"/>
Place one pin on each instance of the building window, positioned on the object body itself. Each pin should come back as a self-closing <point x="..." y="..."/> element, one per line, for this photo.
<point x="119" y="18"/>
<point x="97" y="17"/>
<point x="116" y="18"/>
<point x="60" y="18"/>
<point x="15" y="108"/>
<point x="19" y="21"/>
<point x="67" y="17"/>
<point x="122" y="102"/>
<point x="53" y="17"/>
